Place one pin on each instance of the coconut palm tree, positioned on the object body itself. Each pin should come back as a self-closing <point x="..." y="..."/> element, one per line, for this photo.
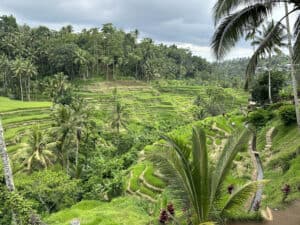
<point x="68" y="129"/>
<point x="38" y="152"/>
<point x="232" y="17"/>
<point x="18" y="69"/>
<point x="274" y="46"/>
<point x="63" y="131"/>
<point x="199" y="184"/>
<point x="29" y="71"/>
<point x="4" y="69"/>
<point x="82" y="60"/>
<point x="119" y="119"/>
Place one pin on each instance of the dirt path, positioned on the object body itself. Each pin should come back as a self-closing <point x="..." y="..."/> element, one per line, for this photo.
<point x="289" y="216"/>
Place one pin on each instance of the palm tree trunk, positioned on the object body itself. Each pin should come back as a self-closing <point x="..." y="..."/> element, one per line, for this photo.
<point x="77" y="152"/>
<point x="269" y="81"/>
<point x="113" y="71"/>
<point x="106" y="72"/>
<point x="294" y="81"/>
<point x="28" y="85"/>
<point x="8" y="175"/>
<point x="21" y="88"/>
<point x="136" y="69"/>
<point x="5" y="160"/>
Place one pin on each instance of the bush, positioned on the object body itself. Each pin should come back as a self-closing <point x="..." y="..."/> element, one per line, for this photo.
<point x="287" y="114"/>
<point x="260" y="117"/>
<point x="49" y="190"/>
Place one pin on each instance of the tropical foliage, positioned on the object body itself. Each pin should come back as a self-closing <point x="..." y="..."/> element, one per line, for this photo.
<point x="200" y="183"/>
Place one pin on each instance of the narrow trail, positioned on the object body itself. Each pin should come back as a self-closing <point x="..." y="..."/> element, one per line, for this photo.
<point x="268" y="146"/>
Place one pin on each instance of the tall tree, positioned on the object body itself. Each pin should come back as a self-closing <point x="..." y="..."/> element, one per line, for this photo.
<point x="29" y="71"/>
<point x="231" y="25"/>
<point x="19" y="70"/>
<point x="274" y="45"/>
<point x="6" y="164"/>
<point x="119" y="117"/>
<point x="38" y="152"/>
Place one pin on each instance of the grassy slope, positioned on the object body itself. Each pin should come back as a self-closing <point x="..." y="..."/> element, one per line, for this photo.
<point x="7" y="104"/>
<point x="281" y="163"/>
<point x="120" y="211"/>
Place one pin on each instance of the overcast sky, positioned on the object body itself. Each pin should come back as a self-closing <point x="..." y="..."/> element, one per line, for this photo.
<point x="187" y="23"/>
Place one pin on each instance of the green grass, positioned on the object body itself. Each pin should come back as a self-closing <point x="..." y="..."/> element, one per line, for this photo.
<point x="24" y="119"/>
<point x="7" y="104"/>
<point x="136" y="172"/>
<point x="120" y="211"/>
<point x="144" y="190"/>
<point x="281" y="163"/>
<point x="152" y="179"/>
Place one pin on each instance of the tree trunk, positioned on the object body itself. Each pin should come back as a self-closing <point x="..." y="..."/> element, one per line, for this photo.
<point x="5" y="160"/>
<point x="28" y="86"/>
<point x="113" y="71"/>
<point x="136" y="73"/>
<point x="106" y="72"/>
<point x="294" y="81"/>
<point x="77" y="152"/>
<point x="8" y="175"/>
<point x="269" y="81"/>
<point x="21" y="88"/>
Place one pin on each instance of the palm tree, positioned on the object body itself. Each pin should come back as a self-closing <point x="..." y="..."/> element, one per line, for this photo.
<point x="83" y="59"/>
<point x="119" y="119"/>
<point x="63" y="130"/>
<point x="69" y="125"/>
<point x="29" y="71"/>
<point x="232" y="18"/>
<point x="57" y="87"/>
<point x="198" y="184"/>
<point x="274" y="45"/>
<point x="38" y="152"/>
<point x="18" y="69"/>
<point x="4" y="69"/>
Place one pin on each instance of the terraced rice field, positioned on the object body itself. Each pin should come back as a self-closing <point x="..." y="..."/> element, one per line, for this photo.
<point x="147" y="182"/>
<point x="160" y="108"/>
<point x="19" y="117"/>
<point x="147" y="105"/>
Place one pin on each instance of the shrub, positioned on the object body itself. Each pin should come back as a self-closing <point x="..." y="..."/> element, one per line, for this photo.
<point x="260" y="117"/>
<point x="287" y="114"/>
<point x="49" y="190"/>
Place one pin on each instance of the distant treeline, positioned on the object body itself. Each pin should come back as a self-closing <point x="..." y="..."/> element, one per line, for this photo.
<point x="110" y="52"/>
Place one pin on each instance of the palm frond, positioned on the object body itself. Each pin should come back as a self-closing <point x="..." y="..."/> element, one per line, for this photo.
<point x="223" y="8"/>
<point x="233" y="27"/>
<point x="296" y="47"/>
<point x="232" y="147"/>
<point x="201" y="170"/>
<point x="272" y="36"/>
<point x="236" y="201"/>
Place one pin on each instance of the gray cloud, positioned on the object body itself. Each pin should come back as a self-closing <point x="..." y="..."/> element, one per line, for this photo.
<point x="163" y="20"/>
<point x="187" y="23"/>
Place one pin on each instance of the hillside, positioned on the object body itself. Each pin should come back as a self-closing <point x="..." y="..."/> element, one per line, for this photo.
<point x="152" y="109"/>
